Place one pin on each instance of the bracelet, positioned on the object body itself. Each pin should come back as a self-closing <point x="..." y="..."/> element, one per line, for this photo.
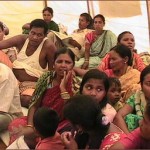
<point x="28" y="125"/>
<point x="65" y="95"/>
<point x="86" y="61"/>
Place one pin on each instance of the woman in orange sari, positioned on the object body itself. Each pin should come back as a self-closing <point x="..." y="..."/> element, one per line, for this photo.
<point x="121" y="64"/>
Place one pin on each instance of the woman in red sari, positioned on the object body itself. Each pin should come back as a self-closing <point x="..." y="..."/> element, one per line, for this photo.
<point x="53" y="89"/>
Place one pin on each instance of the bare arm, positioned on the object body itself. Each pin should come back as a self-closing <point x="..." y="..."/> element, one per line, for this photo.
<point x="16" y="41"/>
<point x="119" y="118"/>
<point x="75" y="43"/>
<point x="117" y="145"/>
<point x="32" y="110"/>
<point x="50" y="52"/>
<point x="80" y="72"/>
<point x="87" y="56"/>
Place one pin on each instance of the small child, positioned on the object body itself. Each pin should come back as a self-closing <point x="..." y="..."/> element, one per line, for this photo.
<point x="140" y="137"/>
<point x="46" y="121"/>
<point x="114" y="93"/>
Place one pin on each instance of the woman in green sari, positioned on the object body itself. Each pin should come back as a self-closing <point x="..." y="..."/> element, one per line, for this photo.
<point x="97" y="44"/>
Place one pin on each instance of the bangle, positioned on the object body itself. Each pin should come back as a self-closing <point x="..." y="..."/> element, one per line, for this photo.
<point x="28" y="125"/>
<point x="65" y="95"/>
<point x="86" y="59"/>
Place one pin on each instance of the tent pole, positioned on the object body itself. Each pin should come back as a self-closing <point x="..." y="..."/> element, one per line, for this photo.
<point x="88" y="6"/>
<point x="45" y="3"/>
<point x="148" y="15"/>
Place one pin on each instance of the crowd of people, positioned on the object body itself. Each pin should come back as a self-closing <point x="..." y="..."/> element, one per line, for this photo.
<point x="86" y="90"/>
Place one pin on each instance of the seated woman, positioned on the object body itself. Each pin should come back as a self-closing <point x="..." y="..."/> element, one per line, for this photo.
<point x="95" y="84"/>
<point x="76" y="40"/>
<point x="128" y="117"/>
<point x="86" y="116"/>
<point x="53" y="89"/>
<point x="125" y="38"/>
<point x="139" y="138"/>
<point x="121" y="62"/>
<point x="47" y="16"/>
<point x="97" y="44"/>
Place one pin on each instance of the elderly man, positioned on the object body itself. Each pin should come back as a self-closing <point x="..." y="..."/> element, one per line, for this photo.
<point x="35" y="56"/>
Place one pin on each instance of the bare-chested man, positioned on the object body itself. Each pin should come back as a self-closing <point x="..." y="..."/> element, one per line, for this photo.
<point x="35" y="56"/>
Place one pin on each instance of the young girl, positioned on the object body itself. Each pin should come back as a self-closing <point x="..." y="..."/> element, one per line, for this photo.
<point x="139" y="138"/>
<point x="95" y="84"/>
<point x="114" y="93"/>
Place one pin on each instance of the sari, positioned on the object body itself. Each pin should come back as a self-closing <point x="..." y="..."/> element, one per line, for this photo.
<point x="138" y="63"/>
<point x="111" y="139"/>
<point x="100" y="46"/>
<point x="129" y="82"/>
<point x="138" y="103"/>
<point x="50" y="98"/>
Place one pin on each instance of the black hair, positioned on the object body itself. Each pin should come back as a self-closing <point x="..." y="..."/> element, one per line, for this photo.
<point x="114" y="81"/>
<point x="39" y="23"/>
<point x="65" y="50"/>
<point x="100" y="16"/>
<point x="82" y="110"/>
<point x="49" y="9"/>
<point x="46" y="121"/>
<point x="144" y="72"/>
<point x="120" y="36"/>
<point x="88" y="19"/>
<point x="2" y="26"/>
<point x="96" y="74"/>
<point x="123" y="52"/>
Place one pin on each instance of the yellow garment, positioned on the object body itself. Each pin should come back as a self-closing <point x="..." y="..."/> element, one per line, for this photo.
<point x="130" y="83"/>
<point x="30" y="63"/>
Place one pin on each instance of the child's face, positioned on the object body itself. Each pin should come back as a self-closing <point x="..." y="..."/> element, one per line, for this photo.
<point x="145" y="127"/>
<point x="114" y="94"/>
<point x="94" y="88"/>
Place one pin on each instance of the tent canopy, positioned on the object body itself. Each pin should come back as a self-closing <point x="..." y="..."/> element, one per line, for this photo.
<point x="120" y="16"/>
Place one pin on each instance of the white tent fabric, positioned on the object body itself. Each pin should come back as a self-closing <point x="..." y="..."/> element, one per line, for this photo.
<point x="120" y="16"/>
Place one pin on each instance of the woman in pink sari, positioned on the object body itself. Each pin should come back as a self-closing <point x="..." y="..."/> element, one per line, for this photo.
<point x="126" y="38"/>
<point x="53" y="89"/>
